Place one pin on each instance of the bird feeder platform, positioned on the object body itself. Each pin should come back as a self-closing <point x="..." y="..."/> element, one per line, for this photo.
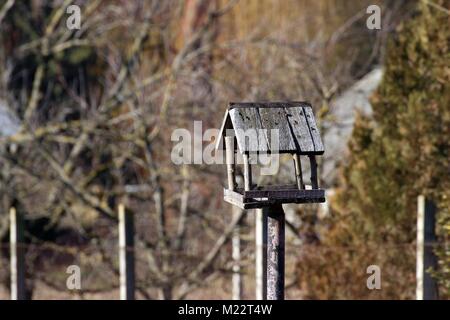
<point x="269" y="195"/>
<point x="270" y="128"/>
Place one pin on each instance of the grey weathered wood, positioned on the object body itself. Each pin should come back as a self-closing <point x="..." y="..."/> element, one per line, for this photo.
<point x="269" y="187"/>
<point x="17" y="252"/>
<point x="297" y="134"/>
<point x="126" y="254"/>
<point x="300" y="129"/>
<point x="229" y="153"/>
<point x="298" y="172"/>
<point x="261" y="198"/>
<point x="427" y="288"/>
<point x="226" y="125"/>
<point x="313" y="168"/>
<point x="234" y="198"/>
<point x="284" y="194"/>
<point x="315" y="134"/>
<point x="252" y="123"/>
<point x="237" y="284"/>
<point x="249" y="132"/>
<point x="274" y="121"/>
<point x="261" y="254"/>
<point x="247" y="172"/>
<point x="279" y="104"/>
<point x="275" y="252"/>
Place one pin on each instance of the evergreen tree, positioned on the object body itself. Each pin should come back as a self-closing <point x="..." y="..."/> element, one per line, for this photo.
<point x="403" y="149"/>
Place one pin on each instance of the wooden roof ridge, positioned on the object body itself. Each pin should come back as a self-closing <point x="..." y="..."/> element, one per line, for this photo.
<point x="268" y="104"/>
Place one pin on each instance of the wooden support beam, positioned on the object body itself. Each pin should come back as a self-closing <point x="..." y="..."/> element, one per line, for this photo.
<point x="261" y="253"/>
<point x="17" y="259"/>
<point x="236" y="256"/>
<point x="275" y="252"/>
<point x="427" y="288"/>
<point x="247" y="172"/>
<point x="313" y="165"/>
<point x="229" y="154"/>
<point x="126" y="254"/>
<point x="298" y="172"/>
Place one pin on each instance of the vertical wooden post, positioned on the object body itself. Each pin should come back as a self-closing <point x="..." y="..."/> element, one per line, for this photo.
<point x="126" y="254"/>
<point x="313" y="165"/>
<point x="261" y="253"/>
<point x="298" y="172"/>
<point x="236" y="256"/>
<point x="275" y="252"/>
<point x="236" y="237"/>
<point x="427" y="288"/>
<point x="229" y="154"/>
<point x="247" y="172"/>
<point x="16" y="234"/>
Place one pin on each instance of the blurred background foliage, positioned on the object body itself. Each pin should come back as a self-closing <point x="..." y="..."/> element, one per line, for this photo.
<point x="97" y="107"/>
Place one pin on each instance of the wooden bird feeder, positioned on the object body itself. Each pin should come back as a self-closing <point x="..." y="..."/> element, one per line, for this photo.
<point x="251" y="125"/>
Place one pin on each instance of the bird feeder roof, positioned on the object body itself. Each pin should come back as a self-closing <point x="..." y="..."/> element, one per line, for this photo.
<point x="253" y="125"/>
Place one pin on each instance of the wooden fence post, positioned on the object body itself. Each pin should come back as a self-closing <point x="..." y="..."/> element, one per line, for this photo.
<point x="427" y="288"/>
<point x="126" y="253"/>
<point x="17" y="252"/>
<point x="275" y="252"/>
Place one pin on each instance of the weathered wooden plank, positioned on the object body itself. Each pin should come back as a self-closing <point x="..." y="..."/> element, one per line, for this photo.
<point x="247" y="172"/>
<point x="233" y="194"/>
<point x="261" y="254"/>
<point x="279" y="104"/>
<point x="256" y="203"/>
<point x="236" y="280"/>
<point x="298" y="172"/>
<point x="275" y="252"/>
<point x="315" y="134"/>
<point x="300" y="129"/>
<point x="284" y="194"/>
<point x="276" y="119"/>
<point x="234" y="198"/>
<point x="248" y="130"/>
<point x="313" y="168"/>
<point x="229" y="149"/>
<point x="262" y="198"/>
<point x="226" y="124"/>
<point x="241" y="190"/>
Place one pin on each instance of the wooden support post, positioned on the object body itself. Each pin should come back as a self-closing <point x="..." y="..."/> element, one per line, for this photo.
<point x="126" y="254"/>
<point x="17" y="258"/>
<point x="247" y="172"/>
<point x="261" y="253"/>
<point x="229" y="149"/>
<point x="313" y="165"/>
<point x="298" y="172"/>
<point x="275" y="252"/>
<point x="427" y="288"/>
<point x="236" y="256"/>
